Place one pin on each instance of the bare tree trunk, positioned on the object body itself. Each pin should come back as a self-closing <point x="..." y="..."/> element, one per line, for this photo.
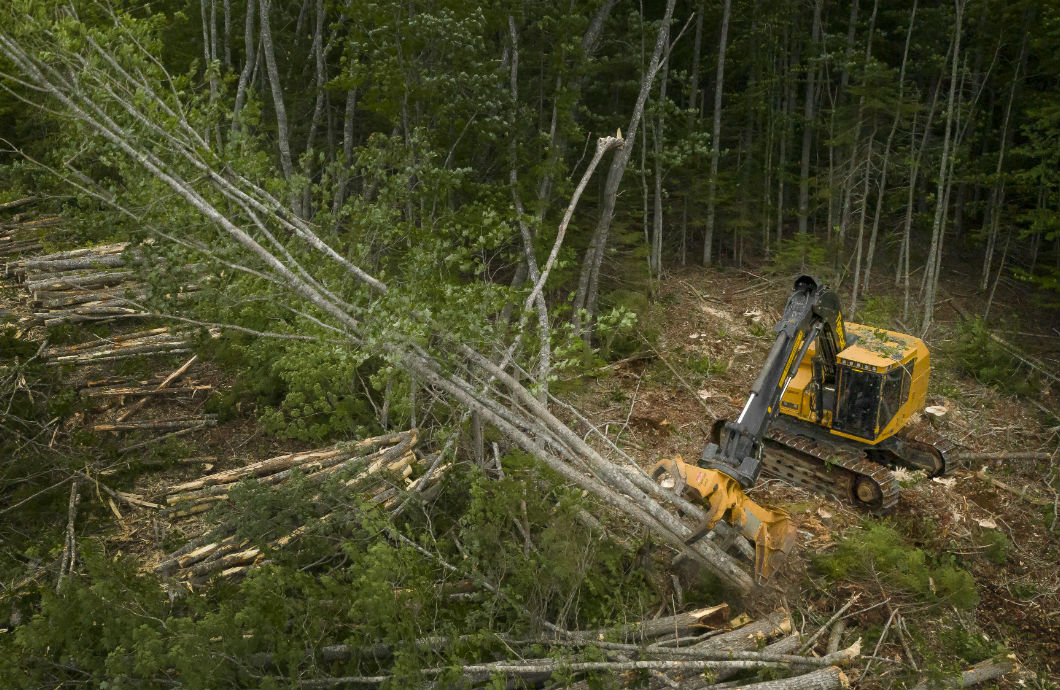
<point x="997" y="193"/>
<point x="321" y="77"/>
<point x="807" y="120"/>
<point x="913" y="174"/>
<point x="544" y="334"/>
<point x="589" y="279"/>
<point x="785" y="137"/>
<point x="657" y="209"/>
<point x="715" y="136"/>
<point x="861" y="223"/>
<point x="245" y="76"/>
<point x="882" y="189"/>
<point x="844" y="221"/>
<point x="228" y="34"/>
<point x="207" y="46"/>
<point x="943" y="179"/>
<point x="693" y="113"/>
<point x="347" y="154"/>
<point x="283" y="138"/>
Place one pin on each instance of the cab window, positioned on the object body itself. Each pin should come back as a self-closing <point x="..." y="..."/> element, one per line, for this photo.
<point x="896" y="384"/>
<point x="859" y="402"/>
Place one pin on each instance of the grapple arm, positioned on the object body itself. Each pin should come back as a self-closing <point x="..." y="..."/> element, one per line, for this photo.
<point x="771" y="531"/>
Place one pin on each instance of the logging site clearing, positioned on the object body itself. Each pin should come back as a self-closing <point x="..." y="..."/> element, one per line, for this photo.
<point x="959" y="577"/>
<point x="452" y="345"/>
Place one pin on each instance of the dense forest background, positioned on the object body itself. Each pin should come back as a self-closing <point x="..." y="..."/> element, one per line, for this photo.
<point x="360" y="197"/>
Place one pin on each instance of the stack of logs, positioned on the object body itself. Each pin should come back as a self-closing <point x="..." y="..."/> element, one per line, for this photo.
<point x="157" y="341"/>
<point x="391" y="452"/>
<point x="698" y="649"/>
<point x="18" y="235"/>
<point x="88" y="284"/>
<point x="365" y="466"/>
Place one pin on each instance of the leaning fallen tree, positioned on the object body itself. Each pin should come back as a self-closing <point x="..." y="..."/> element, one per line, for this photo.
<point x="482" y="382"/>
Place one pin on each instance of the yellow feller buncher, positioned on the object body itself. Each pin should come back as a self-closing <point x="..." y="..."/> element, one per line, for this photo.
<point x="828" y="411"/>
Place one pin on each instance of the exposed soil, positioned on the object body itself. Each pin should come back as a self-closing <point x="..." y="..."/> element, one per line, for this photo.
<point x="721" y="322"/>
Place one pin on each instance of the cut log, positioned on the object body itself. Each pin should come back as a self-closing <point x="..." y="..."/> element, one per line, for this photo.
<point x="700" y="619"/>
<point x="749" y="636"/>
<point x="831" y="678"/>
<point x="79" y="281"/>
<point x="8" y="205"/>
<point x="982" y="672"/>
<point x="152" y="391"/>
<point x="158" y="424"/>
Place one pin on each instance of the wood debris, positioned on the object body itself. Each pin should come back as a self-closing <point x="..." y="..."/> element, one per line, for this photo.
<point x="88" y="284"/>
<point x="157" y="341"/>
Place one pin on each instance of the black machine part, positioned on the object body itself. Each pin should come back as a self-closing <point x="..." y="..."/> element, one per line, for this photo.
<point x="812" y="313"/>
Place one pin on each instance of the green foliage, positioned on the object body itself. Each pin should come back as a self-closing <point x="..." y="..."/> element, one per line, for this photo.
<point x="706" y="366"/>
<point x="523" y="531"/>
<point x="879" y="311"/>
<point x="309" y="391"/>
<point x="974" y="353"/>
<point x="996" y="546"/>
<point x="800" y="253"/>
<point x="878" y="551"/>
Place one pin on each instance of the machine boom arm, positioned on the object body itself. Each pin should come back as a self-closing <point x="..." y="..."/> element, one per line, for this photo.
<point x="811" y="314"/>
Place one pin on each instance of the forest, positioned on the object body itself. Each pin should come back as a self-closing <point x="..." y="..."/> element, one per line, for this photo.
<point x="338" y="339"/>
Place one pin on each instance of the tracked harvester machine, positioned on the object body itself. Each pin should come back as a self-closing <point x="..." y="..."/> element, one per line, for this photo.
<point x="830" y="411"/>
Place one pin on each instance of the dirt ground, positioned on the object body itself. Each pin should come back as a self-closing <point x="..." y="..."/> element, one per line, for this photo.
<point x="715" y="328"/>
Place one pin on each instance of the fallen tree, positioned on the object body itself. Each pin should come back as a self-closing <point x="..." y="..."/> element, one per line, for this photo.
<point x="177" y="156"/>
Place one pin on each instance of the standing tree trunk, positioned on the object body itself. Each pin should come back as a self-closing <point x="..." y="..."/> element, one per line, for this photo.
<point x="881" y="190"/>
<point x="997" y="194"/>
<point x="249" y="59"/>
<point x="545" y="344"/>
<point x="903" y="263"/>
<point x="807" y="120"/>
<point x="657" y="208"/>
<point x="786" y="135"/>
<point x="228" y="34"/>
<point x="693" y="114"/>
<point x="715" y="136"/>
<point x="589" y="279"/>
<point x="861" y="223"/>
<point x="283" y="138"/>
<point x="848" y="194"/>
<point x="943" y="179"/>
<point x="347" y="154"/>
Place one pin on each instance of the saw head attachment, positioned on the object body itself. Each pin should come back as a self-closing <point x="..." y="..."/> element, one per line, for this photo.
<point x="771" y="531"/>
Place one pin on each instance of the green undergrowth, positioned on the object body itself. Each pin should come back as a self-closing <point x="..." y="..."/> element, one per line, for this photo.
<point x="349" y="579"/>
<point x="310" y="391"/>
<point x="975" y="354"/>
<point x="878" y="552"/>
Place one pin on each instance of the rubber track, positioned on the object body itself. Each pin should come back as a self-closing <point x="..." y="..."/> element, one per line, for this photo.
<point x="930" y="441"/>
<point x="832" y="470"/>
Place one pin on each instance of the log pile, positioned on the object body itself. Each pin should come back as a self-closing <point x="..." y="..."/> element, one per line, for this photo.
<point x="365" y="466"/>
<point x="364" y="462"/>
<point x="157" y="341"/>
<point x="88" y="284"/>
<point x="18" y="235"/>
<point x="668" y="659"/>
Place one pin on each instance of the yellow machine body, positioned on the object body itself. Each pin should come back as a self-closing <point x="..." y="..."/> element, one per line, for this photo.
<point x="890" y="369"/>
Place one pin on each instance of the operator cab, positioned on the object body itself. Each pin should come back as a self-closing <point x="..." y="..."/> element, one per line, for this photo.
<point x="880" y="381"/>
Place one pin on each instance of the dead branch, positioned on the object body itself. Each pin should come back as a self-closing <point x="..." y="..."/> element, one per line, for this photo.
<point x="165" y="382"/>
<point x="820" y="631"/>
<point x="711" y="617"/>
<point x="66" y="562"/>
<point x="1034" y="500"/>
